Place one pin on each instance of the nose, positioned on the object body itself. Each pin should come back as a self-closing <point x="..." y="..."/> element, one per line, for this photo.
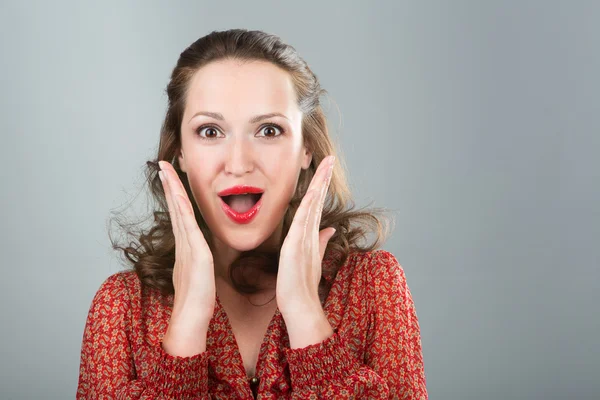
<point x="239" y="160"/>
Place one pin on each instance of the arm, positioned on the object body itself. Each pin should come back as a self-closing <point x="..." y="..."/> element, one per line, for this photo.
<point x="393" y="367"/>
<point x="394" y="343"/>
<point x="107" y="369"/>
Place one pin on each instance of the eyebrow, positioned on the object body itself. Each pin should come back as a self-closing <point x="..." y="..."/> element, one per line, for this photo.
<point x="253" y="120"/>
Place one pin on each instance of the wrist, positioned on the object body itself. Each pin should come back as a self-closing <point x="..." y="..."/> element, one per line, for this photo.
<point x="308" y="328"/>
<point x="184" y="343"/>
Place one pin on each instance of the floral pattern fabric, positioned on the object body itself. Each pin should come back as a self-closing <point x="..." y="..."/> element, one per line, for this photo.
<point x="374" y="353"/>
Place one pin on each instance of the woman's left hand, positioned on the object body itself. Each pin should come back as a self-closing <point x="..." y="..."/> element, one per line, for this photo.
<point x="302" y="253"/>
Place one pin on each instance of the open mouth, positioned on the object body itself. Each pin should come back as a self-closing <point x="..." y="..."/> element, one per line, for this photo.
<point x="242" y="203"/>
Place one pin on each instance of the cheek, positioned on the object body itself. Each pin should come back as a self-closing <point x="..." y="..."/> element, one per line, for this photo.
<point x="201" y="197"/>
<point x="200" y="185"/>
<point x="286" y="156"/>
<point x="287" y="181"/>
<point x="283" y="168"/>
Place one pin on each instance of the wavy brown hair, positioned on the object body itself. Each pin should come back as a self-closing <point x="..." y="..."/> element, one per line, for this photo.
<point x="152" y="250"/>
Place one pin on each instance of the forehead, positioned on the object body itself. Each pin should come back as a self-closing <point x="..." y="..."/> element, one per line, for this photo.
<point x="241" y="90"/>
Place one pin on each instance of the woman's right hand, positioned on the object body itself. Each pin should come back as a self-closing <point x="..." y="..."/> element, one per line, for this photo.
<point x="193" y="274"/>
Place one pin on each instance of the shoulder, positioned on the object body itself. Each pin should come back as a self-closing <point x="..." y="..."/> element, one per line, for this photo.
<point x="370" y="267"/>
<point x="119" y="282"/>
<point x="117" y="290"/>
<point x="376" y="265"/>
<point x="381" y="274"/>
<point x="386" y="265"/>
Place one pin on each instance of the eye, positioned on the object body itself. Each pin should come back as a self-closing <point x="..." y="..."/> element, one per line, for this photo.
<point x="211" y="132"/>
<point x="269" y="132"/>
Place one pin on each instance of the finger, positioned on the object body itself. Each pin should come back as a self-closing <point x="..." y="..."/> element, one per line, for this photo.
<point x="192" y="233"/>
<point x="181" y="229"/>
<point x="324" y="236"/>
<point x="314" y="217"/>
<point x="176" y="184"/>
<point x="195" y="237"/>
<point x="298" y="228"/>
<point x="320" y="174"/>
<point x="168" y="197"/>
<point x="316" y="184"/>
<point x="174" y="209"/>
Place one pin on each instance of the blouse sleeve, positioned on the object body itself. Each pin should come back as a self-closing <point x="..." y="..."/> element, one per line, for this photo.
<point x="393" y="364"/>
<point x="107" y="368"/>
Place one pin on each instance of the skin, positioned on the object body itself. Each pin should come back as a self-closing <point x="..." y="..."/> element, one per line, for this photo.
<point x="236" y="151"/>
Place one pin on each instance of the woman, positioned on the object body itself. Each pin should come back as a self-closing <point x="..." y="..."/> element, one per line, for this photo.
<point x="258" y="286"/>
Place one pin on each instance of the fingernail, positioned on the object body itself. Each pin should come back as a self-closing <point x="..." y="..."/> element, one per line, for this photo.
<point x="160" y="175"/>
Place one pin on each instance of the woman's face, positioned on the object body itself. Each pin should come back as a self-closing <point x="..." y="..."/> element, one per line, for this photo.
<point x="233" y="146"/>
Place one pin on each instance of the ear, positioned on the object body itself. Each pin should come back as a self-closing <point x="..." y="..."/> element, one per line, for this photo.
<point x="306" y="158"/>
<point x="181" y="160"/>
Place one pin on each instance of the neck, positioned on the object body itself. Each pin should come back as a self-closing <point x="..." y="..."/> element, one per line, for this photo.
<point x="224" y="255"/>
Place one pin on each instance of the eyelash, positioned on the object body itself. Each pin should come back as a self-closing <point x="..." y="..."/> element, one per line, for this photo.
<point x="200" y="128"/>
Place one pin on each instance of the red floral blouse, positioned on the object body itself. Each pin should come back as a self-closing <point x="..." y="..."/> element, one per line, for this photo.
<point x="374" y="353"/>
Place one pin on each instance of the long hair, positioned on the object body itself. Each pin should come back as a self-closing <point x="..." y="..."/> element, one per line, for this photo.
<point x="152" y="250"/>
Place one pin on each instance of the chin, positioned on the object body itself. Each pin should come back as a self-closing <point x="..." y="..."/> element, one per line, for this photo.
<point x="244" y="241"/>
<point x="258" y="234"/>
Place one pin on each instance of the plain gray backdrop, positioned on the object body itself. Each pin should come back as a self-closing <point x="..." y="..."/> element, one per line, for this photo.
<point x="476" y="121"/>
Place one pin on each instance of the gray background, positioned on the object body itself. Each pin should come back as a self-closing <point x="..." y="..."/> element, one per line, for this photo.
<point x="478" y="122"/>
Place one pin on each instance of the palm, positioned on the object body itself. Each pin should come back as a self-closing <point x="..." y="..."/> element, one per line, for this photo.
<point x="304" y="247"/>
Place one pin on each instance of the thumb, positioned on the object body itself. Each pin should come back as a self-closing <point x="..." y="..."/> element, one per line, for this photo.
<point x="324" y="236"/>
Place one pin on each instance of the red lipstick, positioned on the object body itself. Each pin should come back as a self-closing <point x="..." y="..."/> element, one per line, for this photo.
<point x="240" y="189"/>
<point x="241" y="218"/>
